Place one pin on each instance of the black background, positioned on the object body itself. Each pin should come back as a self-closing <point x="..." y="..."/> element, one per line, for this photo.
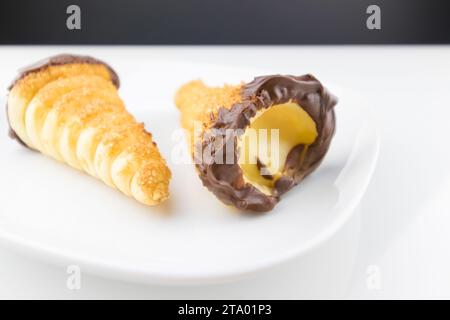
<point x="224" y="22"/>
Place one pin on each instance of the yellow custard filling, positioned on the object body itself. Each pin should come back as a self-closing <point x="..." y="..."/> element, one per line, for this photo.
<point x="267" y="141"/>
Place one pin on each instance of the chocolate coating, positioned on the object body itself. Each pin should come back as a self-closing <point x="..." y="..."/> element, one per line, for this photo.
<point x="226" y="181"/>
<point x="60" y="59"/>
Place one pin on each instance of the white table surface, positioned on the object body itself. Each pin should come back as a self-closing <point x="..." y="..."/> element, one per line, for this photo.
<point x="401" y="236"/>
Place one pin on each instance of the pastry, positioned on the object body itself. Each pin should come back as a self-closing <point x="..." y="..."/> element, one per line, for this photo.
<point x="241" y="166"/>
<point x="68" y="108"/>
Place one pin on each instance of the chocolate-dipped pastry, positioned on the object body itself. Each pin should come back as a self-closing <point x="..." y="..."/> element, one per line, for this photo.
<point x="68" y="108"/>
<point x="253" y="142"/>
<point x="43" y="71"/>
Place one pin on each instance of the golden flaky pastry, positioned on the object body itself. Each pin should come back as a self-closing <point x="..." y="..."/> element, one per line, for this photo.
<point x="68" y="108"/>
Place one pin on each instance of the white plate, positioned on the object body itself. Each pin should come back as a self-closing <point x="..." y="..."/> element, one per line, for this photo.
<point x="57" y="213"/>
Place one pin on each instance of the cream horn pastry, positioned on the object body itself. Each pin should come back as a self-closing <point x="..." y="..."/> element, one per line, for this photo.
<point x="68" y="108"/>
<point x="240" y="166"/>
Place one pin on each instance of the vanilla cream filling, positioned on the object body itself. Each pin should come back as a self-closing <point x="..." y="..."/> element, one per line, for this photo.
<point x="267" y="141"/>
